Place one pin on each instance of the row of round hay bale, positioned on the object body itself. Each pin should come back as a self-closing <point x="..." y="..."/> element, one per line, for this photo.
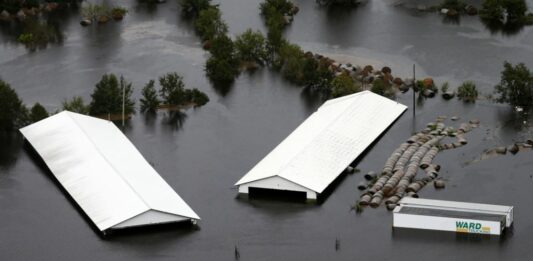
<point x="415" y="138"/>
<point x="391" y="161"/>
<point x="376" y="199"/>
<point x="415" y="186"/>
<point x="428" y="158"/>
<point x="392" y="182"/>
<point x="379" y="184"/>
<point x="406" y="156"/>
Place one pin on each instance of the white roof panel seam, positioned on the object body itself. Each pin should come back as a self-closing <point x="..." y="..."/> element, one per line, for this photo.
<point x="112" y="166"/>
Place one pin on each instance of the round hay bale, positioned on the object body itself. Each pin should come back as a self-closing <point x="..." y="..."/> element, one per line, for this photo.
<point x="439" y="184"/>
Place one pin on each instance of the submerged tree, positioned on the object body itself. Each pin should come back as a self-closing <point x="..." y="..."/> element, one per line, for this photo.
<point x="38" y="112"/>
<point x="516" y="86"/>
<point x="76" y="104"/>
<point x="209" y="24"/>
<point x="194" y="7"/>
<point x="107" y="96"/>
<point x="343" y="85"/>
<point x="222" y="66"/>
<point x="149" y="101"/>
<point x="172" y="89"/>
<point x="13" y="113"/>
<point x="467" y="92"/>
<point x="251" y="47"/>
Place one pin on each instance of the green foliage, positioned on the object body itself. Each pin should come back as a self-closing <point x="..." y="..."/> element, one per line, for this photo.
<point x="274" y="42"/>
<point x="172" y="92"/>
<point x="172" y="89"/>
<point x="38" y="34"/>
<point x="317" y="75"/>
<point x="13" y="113"/>
<point x="25" y="38"/>
<point x="516" y="9"/>
<point x="118" y="11"/>
<point x="494" y="10"/>
<point x="107" y="96"/>
<point x="343" y="85"/>
<point x="194" y="7"/>
<point x="196" y="97"/>
<point x="76" y="104"/>
<point x="467" y="92"/>
<point x="38" y="112"/>
<point x="516" y="86"/>
<point x="251" y="47"/>
<point x="93" y="11"/>
<point x="223" y="65"/>
<point x="209" y="24"/>
<point x="274" y="12"/>
<point x="379" y="86"/>
<point x="149" y="101"/>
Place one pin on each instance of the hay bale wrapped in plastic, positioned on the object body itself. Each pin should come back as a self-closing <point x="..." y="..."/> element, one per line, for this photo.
<point x="406" y="156"/>
<point x="392" y="182"/>
<point x="428" y="158"/>
<point x="465" y="127"/>
<point x="376" y="199"/>
<point x="394" y="157"/>
<point x="365" y="199"/>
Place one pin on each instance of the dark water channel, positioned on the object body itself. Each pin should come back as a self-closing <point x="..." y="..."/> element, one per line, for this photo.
<point x="204" y="151"/>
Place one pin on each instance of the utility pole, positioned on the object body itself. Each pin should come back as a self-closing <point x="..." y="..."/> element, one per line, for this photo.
<point x="123" y="103"/>
<point x="414" y="85"/>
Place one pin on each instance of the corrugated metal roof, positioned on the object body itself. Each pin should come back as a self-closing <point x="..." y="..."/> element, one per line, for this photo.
<point x="316" y="152"/>
<point x="101" y="169"/>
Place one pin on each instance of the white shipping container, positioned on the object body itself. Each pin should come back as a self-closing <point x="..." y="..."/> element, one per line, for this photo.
<point x="452" y="216"/>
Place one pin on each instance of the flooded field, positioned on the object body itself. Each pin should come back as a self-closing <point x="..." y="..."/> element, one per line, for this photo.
<point x="203" y="152"/>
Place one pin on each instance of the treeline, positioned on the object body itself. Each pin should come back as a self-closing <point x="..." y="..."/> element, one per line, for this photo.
<point x="106" y="100"/>
<point x="318" y="72"/>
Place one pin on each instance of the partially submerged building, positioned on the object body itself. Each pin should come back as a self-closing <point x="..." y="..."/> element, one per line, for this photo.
<point x="104" y="173"/>
<point x="324" y="145"/>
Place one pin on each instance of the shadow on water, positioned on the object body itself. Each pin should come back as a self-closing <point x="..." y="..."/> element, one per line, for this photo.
<point x="145" y="6"/>
<point x="420" y="236"/>
<point x="11" y="143"/>
<point x="174" y="119"/>
<point x="506" y="29"/>
<point x="222" y="88"/>
<point x="453" y="20"/>
<point x="312" y="99"/>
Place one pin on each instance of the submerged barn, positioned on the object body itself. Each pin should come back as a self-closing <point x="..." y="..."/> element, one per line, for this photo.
<point x="104" y="173"/>
<point x="324" y="145"/>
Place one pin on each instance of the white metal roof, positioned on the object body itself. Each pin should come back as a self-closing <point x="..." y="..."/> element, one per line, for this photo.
<point x="102" y="170"/>
<point x="316" y="152"/>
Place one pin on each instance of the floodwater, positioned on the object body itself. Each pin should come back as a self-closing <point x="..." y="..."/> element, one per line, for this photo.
<point x="203" y="152"/>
